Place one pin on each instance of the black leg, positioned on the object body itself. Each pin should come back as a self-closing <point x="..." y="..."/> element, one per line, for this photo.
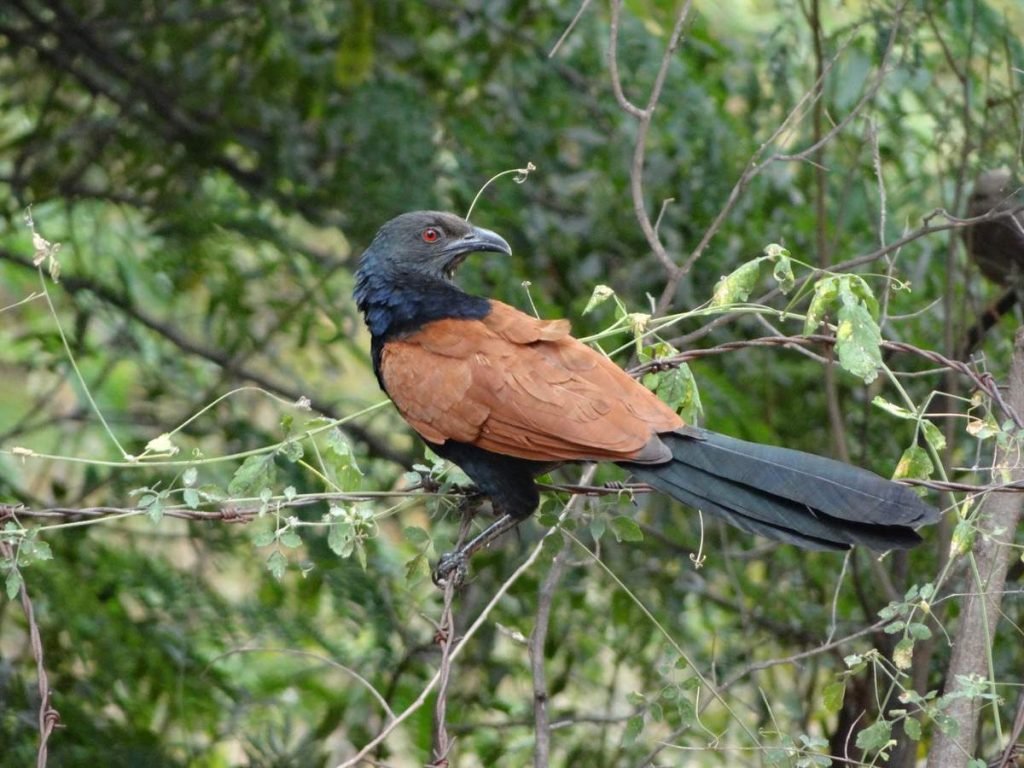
<point x="455" y="564"/>
<point x="508" y="482"/>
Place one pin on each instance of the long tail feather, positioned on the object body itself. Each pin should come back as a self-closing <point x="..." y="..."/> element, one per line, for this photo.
<point x="787" y="495"/>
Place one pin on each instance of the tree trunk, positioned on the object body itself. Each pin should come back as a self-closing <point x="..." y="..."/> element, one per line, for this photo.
<point x="1001" y="513"/>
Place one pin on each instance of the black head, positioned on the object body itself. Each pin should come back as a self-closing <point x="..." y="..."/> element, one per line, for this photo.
<point x="427" y="244"/>
<point x="405" y="277"/>
<point x="990" y="189"/>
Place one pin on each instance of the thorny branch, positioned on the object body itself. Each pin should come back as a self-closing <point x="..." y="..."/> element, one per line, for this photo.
<point x="48" y="716"/>
<point x="240" y="512"/>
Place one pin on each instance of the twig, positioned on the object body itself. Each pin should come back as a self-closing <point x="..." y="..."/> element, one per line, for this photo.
<point x="545" y="597"/>
<point x="445" y="638"/>
<point x="48" y="716"/>
<point x="644" y="117"/>
<point x="568" y="30"/>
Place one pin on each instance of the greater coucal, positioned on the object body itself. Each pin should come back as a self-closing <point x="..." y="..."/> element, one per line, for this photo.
<point x="996" y="246"/>
<point x="507" y="397"/>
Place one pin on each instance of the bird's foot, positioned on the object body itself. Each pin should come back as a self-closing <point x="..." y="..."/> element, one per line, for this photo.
<point x="452" y="567"/>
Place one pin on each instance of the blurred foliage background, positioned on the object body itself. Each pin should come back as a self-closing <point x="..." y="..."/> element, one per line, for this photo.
<point x="212" y="170"/>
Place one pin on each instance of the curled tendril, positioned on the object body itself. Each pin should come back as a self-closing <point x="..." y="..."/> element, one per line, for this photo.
<point x="520" y="177"/>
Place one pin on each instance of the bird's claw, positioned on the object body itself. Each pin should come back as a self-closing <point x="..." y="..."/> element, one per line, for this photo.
<point x="451" y="567"/>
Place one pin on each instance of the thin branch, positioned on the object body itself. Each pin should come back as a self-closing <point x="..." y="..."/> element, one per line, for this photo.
<point x="48" y="716"/>
<point x="644" y="117"/>
<point x="568" y="30"/>
<point x="538" y="638"/>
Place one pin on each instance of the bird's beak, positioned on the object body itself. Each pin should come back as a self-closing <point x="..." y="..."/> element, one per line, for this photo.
<point x="477" y="240"/>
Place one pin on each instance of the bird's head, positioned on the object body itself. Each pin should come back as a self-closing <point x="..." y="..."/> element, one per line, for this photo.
<point x="990" y="189"/>
<point x="427" y="244"/>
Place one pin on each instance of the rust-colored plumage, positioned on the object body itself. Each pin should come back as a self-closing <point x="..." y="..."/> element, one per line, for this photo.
<point x="522" y="387"/>
<point x="507" y="397"/>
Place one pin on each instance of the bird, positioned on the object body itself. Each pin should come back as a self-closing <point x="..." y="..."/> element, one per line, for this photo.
<point x="507" y="397"/>
<point x="996" y="245"/>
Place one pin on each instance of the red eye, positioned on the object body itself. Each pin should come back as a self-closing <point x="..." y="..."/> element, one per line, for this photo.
<point x="431" y="235"/>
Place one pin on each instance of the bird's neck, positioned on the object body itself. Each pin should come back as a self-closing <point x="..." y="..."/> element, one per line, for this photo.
<point x="395" y="307"/>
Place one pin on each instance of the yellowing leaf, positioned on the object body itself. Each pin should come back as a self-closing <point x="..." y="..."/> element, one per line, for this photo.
<point x="600" y="295"/>
<point x="737" y="285"/>
<point x="162" y="444"/>
<point x="914" y="464"/>
<point x="858" y="342"/>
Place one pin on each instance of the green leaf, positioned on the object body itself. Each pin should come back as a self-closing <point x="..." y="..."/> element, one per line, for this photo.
<point x="933" y="435"/>
<point x="963" y="538"/>
<point x="634" y="727"/>
<point x="277" y="564"/>
<point x="256" y="474"/>
<point x="875" y="736"/>
<point x="833" y="694"/>
<point x="678" y="389"/>
<point x="416" y="535"/>
<point x="858" y="291"/>
<point x="948" y="725"/>
<point x="155" y="509"/>
<point x="211" y="492"/>
<point x="782" y="270"/>
<point x="858" y="342"/>
<point x="290" y="539"/>
<point x="626" y="529"/>
<point x="263" y="539"/>
<point x="13" y="583"/>
<point x="737" y="285"/>
<point x="892" y="408"/>
<point x="34" y="550"/>
<point x="190" y="497"/>
<point x="826" y="291"/>
<point x="341" y="461"/>
<point x="919" y="631"/>
<point x="914" y="464"/>
<point x="417" y="568"/>
<point x="188" y="477"/>
<point x="340" y="539"/>
<point x="912" y="727"/>
<point x="292" y="450"/>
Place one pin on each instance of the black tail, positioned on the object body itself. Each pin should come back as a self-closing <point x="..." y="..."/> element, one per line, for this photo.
<point x="795" y="497"/>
